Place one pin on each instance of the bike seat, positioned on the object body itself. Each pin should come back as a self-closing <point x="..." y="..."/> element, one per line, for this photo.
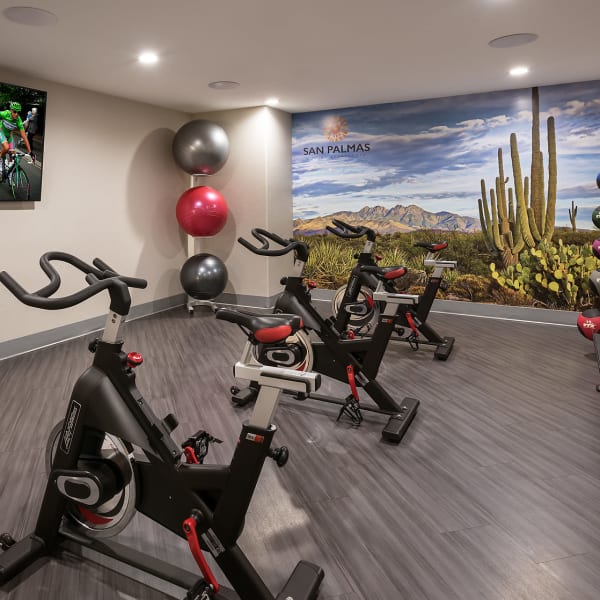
<point x="386" y="273"/>
<point x="266" y="329"/>
<point x="432" y="247"/>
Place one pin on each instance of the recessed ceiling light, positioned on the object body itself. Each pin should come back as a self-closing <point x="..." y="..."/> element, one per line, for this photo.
<point x="28" y="15"/>
<point x="223" y="85"/>
<point x="513" y="40"/>
<point x="519" y="71"/>
<point x="272" y="101"/>
<point x="148" y="58"/>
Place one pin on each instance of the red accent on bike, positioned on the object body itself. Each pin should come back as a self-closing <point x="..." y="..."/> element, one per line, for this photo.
<point x="411" y="323"/>
<point x="395" y="273"/>
<point x="134" y="359"/>
<point x="378" y="257"/>
<point x="92" y="517"/>
<point x="350" y="334"/>
<point x="190" y="456"/>
<point x="588" y="323"/>
<point x="352" y="381"/>
<point x="189" y="528"/>
<point x="369" y="300"/>
<point x="273" y="334"/>
<point x="440" y="246"/>
<point x="311" y="285"/>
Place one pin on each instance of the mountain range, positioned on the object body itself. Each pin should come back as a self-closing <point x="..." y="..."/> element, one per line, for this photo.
<point x="390" y="220"/>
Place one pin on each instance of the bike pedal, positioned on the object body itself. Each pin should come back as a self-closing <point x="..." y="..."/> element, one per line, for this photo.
<point x="196" y="446"/>
<point x="351" y="409"/>
<point x="200" y="591"/>
<point x="413" y="342"/>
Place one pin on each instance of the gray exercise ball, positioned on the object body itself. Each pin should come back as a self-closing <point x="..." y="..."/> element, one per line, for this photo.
<point x="201" y="147"/>
<point x="203" y="276"/>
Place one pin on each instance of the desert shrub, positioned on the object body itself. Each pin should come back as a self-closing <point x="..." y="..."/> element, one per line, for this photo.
<point x="474" y="288"/>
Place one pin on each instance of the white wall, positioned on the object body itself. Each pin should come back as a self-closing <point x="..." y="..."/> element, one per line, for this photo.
<point x="109" y="189"/>
<point x="256" y="182"/>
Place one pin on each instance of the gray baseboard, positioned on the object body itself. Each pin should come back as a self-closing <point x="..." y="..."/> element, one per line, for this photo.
<point x="73" y="330"/>
<point x="489" y="311"/>
<point x="241" y="300"/>
<point x="508" y="313"/>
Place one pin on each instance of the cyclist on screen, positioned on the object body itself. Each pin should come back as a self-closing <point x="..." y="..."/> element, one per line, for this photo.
<point x="11" y="123"/>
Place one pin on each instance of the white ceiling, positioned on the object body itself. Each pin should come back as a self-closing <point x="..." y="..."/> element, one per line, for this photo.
<point x="312" y="54"/>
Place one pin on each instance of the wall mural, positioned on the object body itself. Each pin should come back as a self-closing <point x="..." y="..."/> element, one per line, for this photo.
<point x="508" y="178"/>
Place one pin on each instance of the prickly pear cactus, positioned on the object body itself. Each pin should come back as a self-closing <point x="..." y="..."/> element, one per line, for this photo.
<point x="556" y="276"/>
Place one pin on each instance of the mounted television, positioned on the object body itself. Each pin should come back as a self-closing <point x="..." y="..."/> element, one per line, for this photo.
<point x="22" y="121"/>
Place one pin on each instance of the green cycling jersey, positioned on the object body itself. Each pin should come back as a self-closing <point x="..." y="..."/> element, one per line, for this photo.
<point x="8" y="125"/>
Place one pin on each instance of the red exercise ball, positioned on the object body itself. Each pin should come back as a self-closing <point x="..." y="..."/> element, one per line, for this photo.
<point x="201" y="211"/>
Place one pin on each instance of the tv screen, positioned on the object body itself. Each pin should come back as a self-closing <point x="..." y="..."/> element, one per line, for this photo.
<point x="22" y="120"/>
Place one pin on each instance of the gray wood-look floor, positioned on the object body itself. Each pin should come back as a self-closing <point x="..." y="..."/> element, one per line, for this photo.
<point x="494" y="493"/>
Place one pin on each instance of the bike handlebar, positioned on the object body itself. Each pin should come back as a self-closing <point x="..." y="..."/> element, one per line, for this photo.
<point x="350" y="232"/>
<point x="289" y="245"/>
<point x="99" y="277"/>
<point x="18" y="155"/>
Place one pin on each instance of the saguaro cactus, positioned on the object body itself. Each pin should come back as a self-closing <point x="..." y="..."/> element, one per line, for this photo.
<point x="573" y="215"/>
<point x="521" y="221"/>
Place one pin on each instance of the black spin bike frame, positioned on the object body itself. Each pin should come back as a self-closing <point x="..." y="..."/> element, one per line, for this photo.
<point x="206" y="504"/>
<point x="354" y="361"/>
<point x="411" y="319"/>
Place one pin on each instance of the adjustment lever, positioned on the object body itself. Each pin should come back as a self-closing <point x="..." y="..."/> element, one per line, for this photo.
<point x="208" y="587"/>
<point x="6" y="541"/>
<point x="279" y="455"/>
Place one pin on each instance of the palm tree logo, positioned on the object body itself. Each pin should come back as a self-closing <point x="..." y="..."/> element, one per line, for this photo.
<point x="335" y="128"/>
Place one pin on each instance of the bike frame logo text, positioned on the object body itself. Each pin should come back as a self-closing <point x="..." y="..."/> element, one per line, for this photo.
<point x="69" y="428"/>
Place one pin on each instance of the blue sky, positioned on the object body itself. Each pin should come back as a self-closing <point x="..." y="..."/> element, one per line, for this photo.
<point x="433" y="153"/>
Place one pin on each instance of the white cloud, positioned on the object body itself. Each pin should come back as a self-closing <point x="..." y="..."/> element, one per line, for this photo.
<point x="524" y="115"/>
<point x="498" y="121"/>
<point x="472" y="124"/>
<point x="574" y="107"/>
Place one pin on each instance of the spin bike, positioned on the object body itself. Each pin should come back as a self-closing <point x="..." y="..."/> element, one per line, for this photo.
<point x="355" y="308"/>
<point x="588" y="321"/>
<point x="352" y="361"/>
<point x="112" y="456"/>
<point x="352" y="304"/>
